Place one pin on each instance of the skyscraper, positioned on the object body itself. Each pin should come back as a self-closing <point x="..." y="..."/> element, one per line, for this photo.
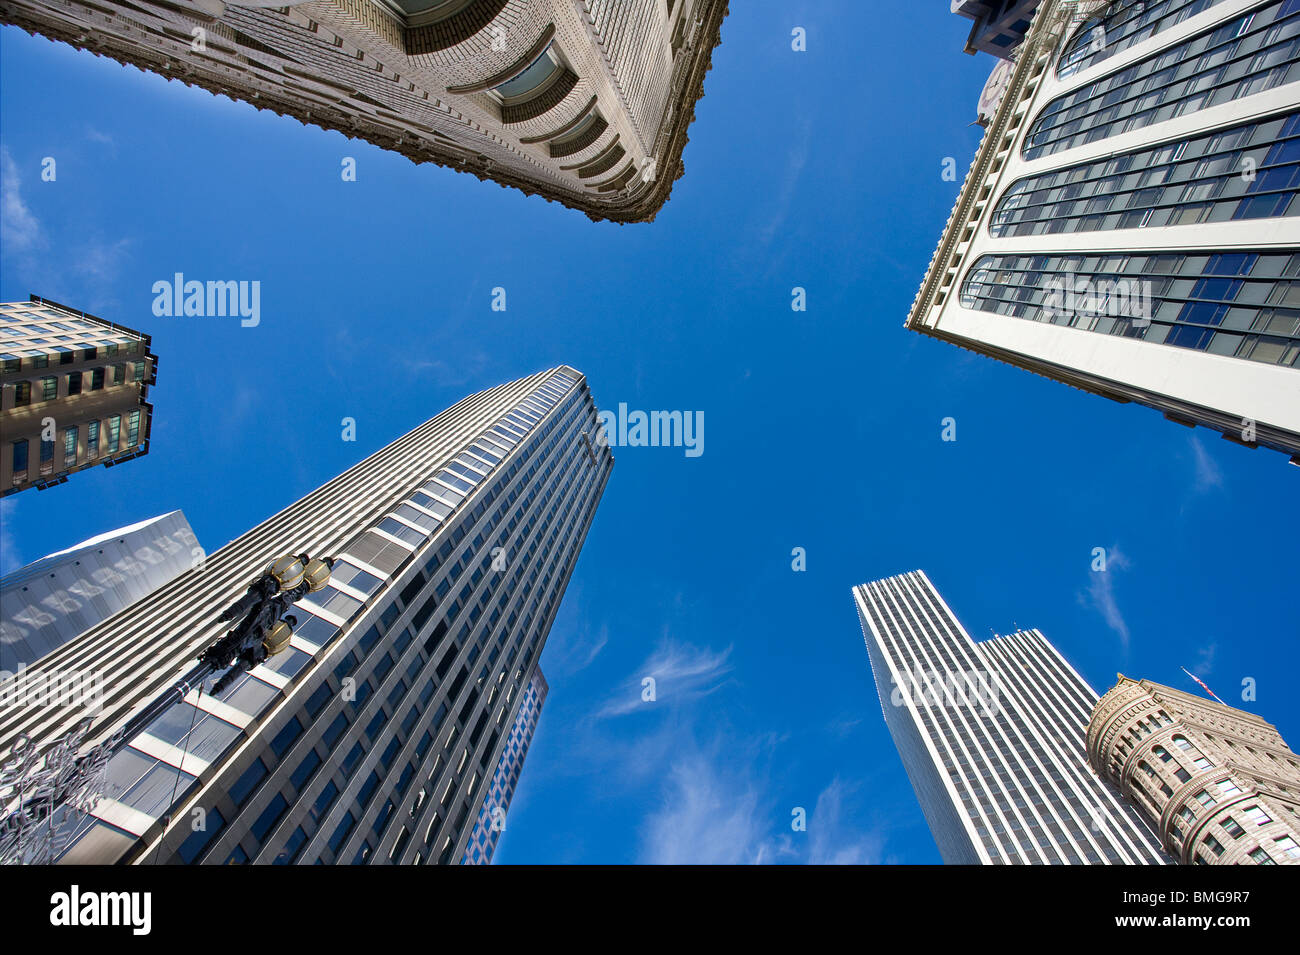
<point x="372" y="738"/>
<point x="492" y="817"/>
<point x="587" y="103"/>
<point x="57" y="598"/>
<point x="1130" y="223"/>
<point x="1219" y="784"/>
<point x="73" y="393"/>
<point x="992" y="737"/>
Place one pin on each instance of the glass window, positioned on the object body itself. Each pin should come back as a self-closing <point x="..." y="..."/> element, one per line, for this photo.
<point x="306" y="769"/>
<point x="247" y="782"/>
<point x="197" y="842"/>
<point x="285" y="738"/>
<point x="271" y="815"/>
<point x="323" y="802"/>
<point x="1207" y="69"/>
<point x="292" y="848"/>
<point x="538" y="73"/>
<point x="1148" y="296"/>
<point x="343" y="830"/>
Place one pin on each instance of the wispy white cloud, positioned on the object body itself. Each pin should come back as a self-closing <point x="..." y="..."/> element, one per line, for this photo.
<point x="718" y="807"/>
<point x="9" y="557"/>
<point x="1101" y="593"/>
<point x="1208" y="476"/>
<point x="20" y="231"/>
<point x="102" y="260"/>
<point x="569" y="652"/>
<point x="798" y="159"/>
<point x="1205" y="660"/>
<point x="681" y="673"/>
<point x="832" y="839"/>
<point x="844" y="725"/>
<point x="706" y="817"/>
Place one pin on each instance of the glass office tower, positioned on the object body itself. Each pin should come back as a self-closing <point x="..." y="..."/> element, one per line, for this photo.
<point x="1130" y="224"/>
<point x="373" y="737"/>
<point x="992" y="736"/>
<point x="492" y="817"/>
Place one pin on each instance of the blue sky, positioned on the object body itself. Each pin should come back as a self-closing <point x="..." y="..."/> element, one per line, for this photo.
<point x="822" y="429"/>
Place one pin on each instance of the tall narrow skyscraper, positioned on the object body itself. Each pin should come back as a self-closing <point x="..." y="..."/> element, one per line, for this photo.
<point x="587" y="103"/>
<point x="492" y="817"/>
<point x="1130" y="224"/>
<point x="373" y="736"/>
<point x="74" y="393"/>
<point x="992" y="737"/>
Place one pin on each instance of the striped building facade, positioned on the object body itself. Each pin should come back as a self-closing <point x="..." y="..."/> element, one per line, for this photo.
<point x="371" y="739"/>
<point x="1131" y="222"/>
<point x="992" y="737"/>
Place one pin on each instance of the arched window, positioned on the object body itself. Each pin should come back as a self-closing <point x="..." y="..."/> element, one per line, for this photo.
<point x="1202" y="71"/>
<point x="1126" y="22"/>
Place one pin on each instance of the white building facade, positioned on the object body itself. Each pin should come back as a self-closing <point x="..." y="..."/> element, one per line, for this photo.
<point x="1130" y="224"/>
<point x="992" y="737"/>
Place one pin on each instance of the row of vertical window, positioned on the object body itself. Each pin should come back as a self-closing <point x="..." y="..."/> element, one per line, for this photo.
<point x="1257" y="51"/>
<point x="542" y="610"/>
<point x="149" y="785"/>
<point x="992" y="793"/>
<point x="1242" y="304"/>
<point x="1125" y="24"/>
<point x="990" y="788"/>
<point x="1250" y="172"/>
<point x="364" y="688"/>
<point x="47" y="387"/>
<point x="414" y="521"/>
<point x="12" y="364"/>
<point x="381" y="670"/>
<point x="483" y="841"/>
<point x="72" y="449"/>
